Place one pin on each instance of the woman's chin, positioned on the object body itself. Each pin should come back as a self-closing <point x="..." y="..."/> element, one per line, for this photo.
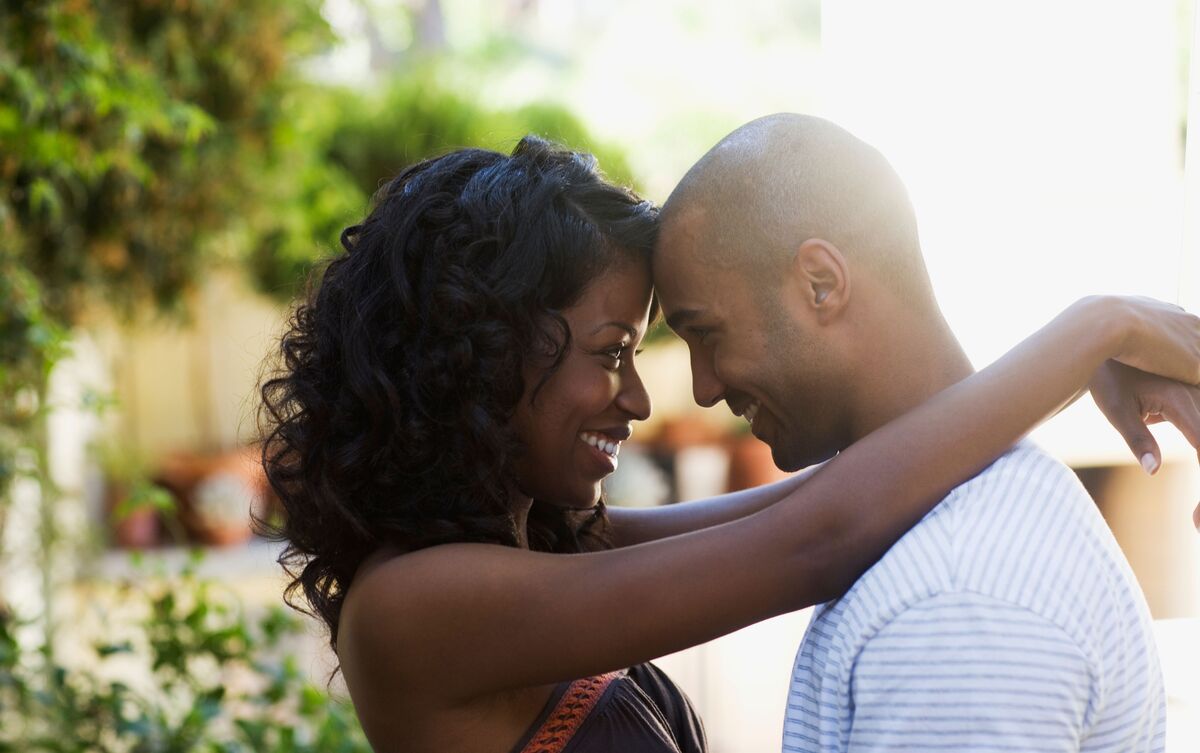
<point x="584" y="499"/>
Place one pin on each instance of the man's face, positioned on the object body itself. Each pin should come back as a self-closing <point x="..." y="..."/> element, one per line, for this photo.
<point x="753" y="347"/>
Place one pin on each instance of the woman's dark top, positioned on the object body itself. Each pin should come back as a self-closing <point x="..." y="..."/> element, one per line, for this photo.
<point x="638" y="710"/>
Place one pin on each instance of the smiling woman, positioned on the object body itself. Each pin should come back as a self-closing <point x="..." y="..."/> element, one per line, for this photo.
<point x="453" y="394"/>
<point x="577" y="421"/>
<point x="453" y="342"/>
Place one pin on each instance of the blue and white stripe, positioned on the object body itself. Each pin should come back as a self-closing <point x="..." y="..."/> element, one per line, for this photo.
<point x="1007" y="620"/>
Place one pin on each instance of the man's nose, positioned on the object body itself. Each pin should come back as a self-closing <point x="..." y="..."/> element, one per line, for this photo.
<point x="707" y="389"/>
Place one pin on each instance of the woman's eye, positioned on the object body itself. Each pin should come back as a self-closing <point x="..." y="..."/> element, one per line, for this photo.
<point x="615" y="355"/>
<point x="701" y="334"/>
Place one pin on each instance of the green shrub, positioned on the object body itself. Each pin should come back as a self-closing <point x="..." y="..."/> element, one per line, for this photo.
<point x="192" y="640"/>
<point x="341" y="145"/>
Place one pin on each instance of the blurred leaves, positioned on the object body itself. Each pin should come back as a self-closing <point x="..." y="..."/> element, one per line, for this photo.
<point x="336" y="147"/>
<point x="141" y="141"/>
<point x="144" y="496"/>
<point x="220" y="681"/>
<point x="132" y="131"/>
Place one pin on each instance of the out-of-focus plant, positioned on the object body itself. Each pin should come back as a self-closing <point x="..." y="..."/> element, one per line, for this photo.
<point x="416" y="117"/>
<point x="130" y="132"/>
<point x="194" y="674"/>
<point x="31" y="342"/>
<point x="342" y="144"/>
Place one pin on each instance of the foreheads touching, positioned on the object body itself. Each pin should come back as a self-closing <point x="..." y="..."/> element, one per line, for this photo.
<point x="764" y="190"/>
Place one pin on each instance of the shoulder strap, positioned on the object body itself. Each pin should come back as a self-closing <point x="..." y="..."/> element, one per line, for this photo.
<point x="569" y="713"/>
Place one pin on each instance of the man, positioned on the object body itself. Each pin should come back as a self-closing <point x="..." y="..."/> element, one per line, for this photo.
<point x="1007" y="619"/>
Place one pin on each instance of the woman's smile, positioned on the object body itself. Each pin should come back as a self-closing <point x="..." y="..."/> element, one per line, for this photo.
<point x="603" y="447"/>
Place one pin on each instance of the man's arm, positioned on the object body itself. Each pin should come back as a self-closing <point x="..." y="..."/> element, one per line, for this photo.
<point x="967" y="672"/>
<point x="636" y="525"/>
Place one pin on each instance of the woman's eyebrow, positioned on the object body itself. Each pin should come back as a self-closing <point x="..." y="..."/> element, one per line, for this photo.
<point x="622" y="325"/>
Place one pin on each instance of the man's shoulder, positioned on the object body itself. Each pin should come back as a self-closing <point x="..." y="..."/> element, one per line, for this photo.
<point x="1025" y="477"/>
<point x="1017" y="561"/>
<point x="1024" y="530"/>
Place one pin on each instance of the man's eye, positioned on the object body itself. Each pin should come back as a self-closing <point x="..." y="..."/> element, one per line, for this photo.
<point x="701" y="334"/>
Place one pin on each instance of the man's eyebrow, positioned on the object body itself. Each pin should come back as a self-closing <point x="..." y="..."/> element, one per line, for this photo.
<point x="679" y="318"/>
<point x="621" y="325"/>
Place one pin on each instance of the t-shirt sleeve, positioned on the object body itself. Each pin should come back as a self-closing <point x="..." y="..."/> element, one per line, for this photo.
<point x="965" y="672"/>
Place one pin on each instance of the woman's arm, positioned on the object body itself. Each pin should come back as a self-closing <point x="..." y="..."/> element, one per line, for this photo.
<point x="1129" y="398"/>
<point x="451" y="623"/>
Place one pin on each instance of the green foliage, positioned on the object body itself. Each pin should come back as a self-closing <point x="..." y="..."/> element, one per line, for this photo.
<point x="31" y="342"/>
<point x="130" y="130"/>
<point x="342" y="145"/>
<point x="220" y="684"/>
<point x="415" y="118"/>
<point x="140" y="140"/>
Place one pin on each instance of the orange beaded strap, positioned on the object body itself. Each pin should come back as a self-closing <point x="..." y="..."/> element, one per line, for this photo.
<point x="568" y="714"/>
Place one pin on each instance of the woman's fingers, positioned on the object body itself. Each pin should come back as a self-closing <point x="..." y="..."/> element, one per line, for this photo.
<point x="1131" y="400"/>
<point x="1121" y="395"/>
<point x="1180" y="405"/>
<point x="1129" y="423"/>
<point x="1166" y="340"/>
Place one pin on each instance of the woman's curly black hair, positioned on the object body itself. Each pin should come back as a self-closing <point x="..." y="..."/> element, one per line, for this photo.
<point x="387" y="422"/>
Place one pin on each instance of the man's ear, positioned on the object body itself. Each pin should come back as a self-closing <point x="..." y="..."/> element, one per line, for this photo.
<point x="825" y="279"/>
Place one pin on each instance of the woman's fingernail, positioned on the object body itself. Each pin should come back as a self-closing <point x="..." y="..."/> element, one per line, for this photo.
<point x="1149" y="463"/>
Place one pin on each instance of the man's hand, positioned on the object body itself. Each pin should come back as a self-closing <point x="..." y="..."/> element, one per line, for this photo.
<point x="1131" y="400"/>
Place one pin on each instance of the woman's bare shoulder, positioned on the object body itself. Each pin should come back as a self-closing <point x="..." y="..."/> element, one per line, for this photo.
<point x="395" y="594"/>
<point x="402" y="609"/>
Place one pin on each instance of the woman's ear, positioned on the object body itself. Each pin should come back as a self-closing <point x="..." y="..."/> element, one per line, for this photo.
<point x="824" y="277"/>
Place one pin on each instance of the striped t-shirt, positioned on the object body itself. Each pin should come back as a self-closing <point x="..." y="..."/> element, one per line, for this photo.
<point x="1007" y="620"/>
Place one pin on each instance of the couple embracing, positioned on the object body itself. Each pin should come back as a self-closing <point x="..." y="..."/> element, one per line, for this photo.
<point x="457" y="387"/>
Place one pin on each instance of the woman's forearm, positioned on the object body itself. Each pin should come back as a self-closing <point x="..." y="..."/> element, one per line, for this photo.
<point x="915" y="460"/>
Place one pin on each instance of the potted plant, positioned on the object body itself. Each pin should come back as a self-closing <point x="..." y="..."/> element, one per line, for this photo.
<point x="217" y="493"/>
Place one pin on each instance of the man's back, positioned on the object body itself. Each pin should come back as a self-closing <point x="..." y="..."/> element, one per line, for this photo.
<point x="1008" y="619"/>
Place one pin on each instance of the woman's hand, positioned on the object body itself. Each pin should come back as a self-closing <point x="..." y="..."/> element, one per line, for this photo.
<point x="1131" y="400"/>
<point x="1155" y="337"/>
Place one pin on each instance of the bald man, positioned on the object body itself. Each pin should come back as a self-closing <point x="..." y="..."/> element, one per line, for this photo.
<point x="1008" y="619"/>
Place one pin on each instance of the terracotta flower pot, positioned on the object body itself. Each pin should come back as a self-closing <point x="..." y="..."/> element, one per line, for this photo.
<point x="217" y="493"/>
<point x="137" y="530"/>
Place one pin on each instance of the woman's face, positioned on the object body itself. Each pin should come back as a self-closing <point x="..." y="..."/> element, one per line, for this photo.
<point x="573" y="428"/>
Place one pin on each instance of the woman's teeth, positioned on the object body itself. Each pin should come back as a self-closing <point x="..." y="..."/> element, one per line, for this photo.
<point x="600" y="442"/>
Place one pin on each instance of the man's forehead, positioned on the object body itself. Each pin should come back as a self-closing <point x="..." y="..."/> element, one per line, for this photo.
<point x="678" y="258"/>
<point x="683" y="240"/>
<point x="691" y="283"/>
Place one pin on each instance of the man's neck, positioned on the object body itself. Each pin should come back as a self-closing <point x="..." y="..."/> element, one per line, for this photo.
<point x="904" y="369"/>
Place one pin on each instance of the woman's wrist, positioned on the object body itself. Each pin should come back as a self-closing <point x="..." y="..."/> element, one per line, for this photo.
<point x="1105" y="324"/>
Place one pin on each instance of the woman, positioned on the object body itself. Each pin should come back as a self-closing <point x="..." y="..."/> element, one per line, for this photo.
<point x="452" y="397"/>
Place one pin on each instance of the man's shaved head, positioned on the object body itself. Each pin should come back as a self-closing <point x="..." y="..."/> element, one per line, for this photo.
<point x="788" y="261"/>
<point x="783" y="179"/>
